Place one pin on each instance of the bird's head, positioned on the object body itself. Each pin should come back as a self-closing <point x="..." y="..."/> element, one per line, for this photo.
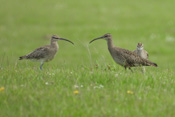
<point x="140" y="46"/>
<point x="56" y="37"/>
<point x="106" y="36"/>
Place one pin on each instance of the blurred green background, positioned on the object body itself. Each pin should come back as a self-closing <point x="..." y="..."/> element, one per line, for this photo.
<point x="26" y="25"/>
<point x="102" y="84"/>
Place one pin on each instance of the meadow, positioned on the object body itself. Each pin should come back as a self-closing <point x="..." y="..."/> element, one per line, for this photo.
<point x="83" y="80"/>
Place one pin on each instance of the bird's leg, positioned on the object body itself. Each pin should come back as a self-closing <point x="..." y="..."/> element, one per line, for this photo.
<point x="131" y="69"/>
<point x="125" y="67"/>
<point x="143" y="70"/>
<point x="41" y="66"/>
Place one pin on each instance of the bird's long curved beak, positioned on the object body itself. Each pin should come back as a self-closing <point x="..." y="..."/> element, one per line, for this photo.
<point x="66" y="40"/>
<point x="96" y="39"/>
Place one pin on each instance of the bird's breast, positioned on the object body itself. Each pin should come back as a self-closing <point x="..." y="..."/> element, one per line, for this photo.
<point x="142" y="54"/>
<point x="51" y="54"/>
<point x="117" y="57"/>
<point x="118" y="60"/>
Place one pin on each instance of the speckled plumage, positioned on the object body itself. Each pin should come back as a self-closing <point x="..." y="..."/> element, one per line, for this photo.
<point x="45" y="53"/>
<point x="124" y="57"/>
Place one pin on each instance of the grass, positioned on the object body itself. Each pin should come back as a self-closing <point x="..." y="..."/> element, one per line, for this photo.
<point x="89" y="69"/>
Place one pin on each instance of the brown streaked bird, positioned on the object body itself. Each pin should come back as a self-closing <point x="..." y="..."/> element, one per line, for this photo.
<point x="45" y="53"/>
<point x="141" y="52"/>
<point x="124" y="57"/>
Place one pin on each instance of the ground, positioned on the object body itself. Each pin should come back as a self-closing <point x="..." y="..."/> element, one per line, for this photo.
<point x="83" y="80"/>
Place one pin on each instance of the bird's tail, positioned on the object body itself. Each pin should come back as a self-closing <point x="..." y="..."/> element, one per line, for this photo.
<point x="149" y="63"/>
<point x="22" y="57"/>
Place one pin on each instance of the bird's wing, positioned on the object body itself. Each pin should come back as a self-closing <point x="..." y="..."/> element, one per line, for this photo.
<point x="135" y="51"/>
<point x="38" y="53"/>
<point x="147" y="54"/>
<point x="131" y="58"/>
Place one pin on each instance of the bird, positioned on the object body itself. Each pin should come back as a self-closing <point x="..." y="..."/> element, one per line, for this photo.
<point x="142" y="53"/>
<point x="124" y="57"/>
<point x="45" y="53"/>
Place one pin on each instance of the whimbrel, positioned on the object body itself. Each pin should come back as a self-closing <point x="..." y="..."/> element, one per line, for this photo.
<point x="124" y="57"/>
<point x="45" y="53"/>
<point x="142" y="53"/>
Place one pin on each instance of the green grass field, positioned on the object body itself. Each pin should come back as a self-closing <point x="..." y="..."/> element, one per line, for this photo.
<point x="104" y="88"/>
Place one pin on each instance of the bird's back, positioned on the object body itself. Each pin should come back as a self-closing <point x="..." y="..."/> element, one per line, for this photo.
<point x="45" y="53"/>
<point x="128" y="58"/>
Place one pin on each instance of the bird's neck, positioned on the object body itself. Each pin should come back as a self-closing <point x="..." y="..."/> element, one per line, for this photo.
<point x="110" y="43"/>
<point x="139" y="49"/>
<point x="54" y="44"/>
